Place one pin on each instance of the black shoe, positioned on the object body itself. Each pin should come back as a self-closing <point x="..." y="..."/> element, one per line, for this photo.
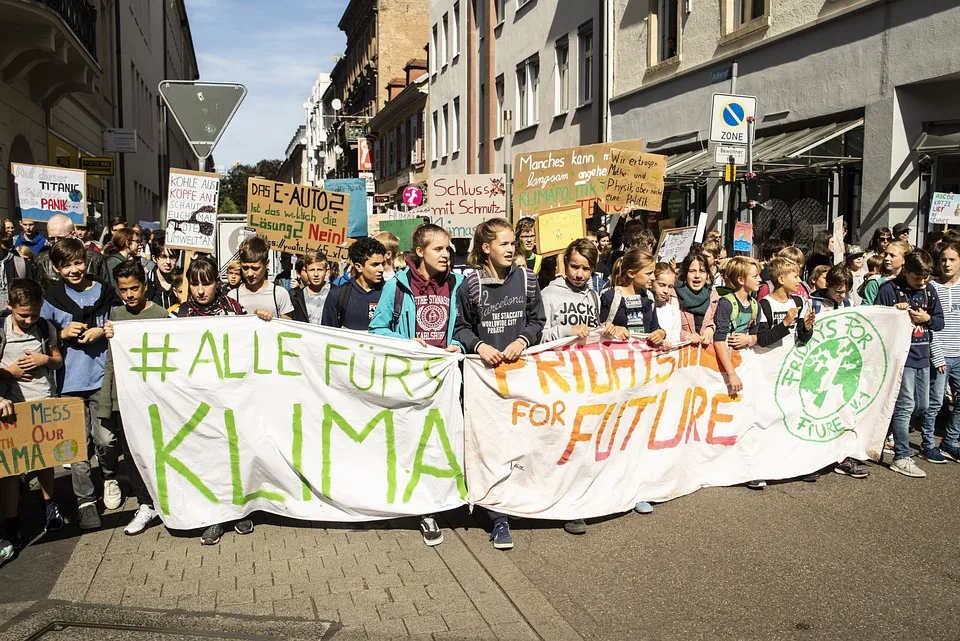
<point x="89" y="518"/>
<point x="15" y="536"/>
<point x="575" y="527"/>
<point x="53" y="517"/>
<point x="211" y="536"/>
<point x="431" y="531"/>
<point x="243" y="527"/>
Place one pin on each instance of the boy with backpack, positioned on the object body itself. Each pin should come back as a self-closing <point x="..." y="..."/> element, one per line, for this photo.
<point x="255" y="294"/>
<point x="30" y="358"/>
<point x="132" y="284"/>
<point x="309" y="298"/>
<point x="911" y="292"/>
<point x="839" y="281"/>
<point x="353" y="304"/>
<point x="78" y="306"/>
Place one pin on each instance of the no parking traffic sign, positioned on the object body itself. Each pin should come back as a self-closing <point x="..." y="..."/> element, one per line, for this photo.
<point x="728" y="122"/>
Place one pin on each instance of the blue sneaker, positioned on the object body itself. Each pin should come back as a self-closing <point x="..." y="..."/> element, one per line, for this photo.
<point x="53" y="517"/>
<point x="643" y="508"/>
<point x="933" y="455"/>
<point x="501" y="535"/>
<point x="951" y="452"/>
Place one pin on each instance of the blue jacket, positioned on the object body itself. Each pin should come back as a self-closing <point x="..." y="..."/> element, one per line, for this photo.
<point x="406" y="327"/>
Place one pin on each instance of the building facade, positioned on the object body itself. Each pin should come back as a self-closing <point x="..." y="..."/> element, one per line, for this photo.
<point x="509" y="77"/>
<point x="382" y="36"/>
<point x="400" y="142"/>
<point x="856" y="113"/>
<point x="316" y="132"/>
<point x="295" y="160"/>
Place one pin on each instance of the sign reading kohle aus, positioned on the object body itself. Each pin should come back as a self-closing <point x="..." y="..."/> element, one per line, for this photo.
<point x="202" y="110"/>
<point x="728" y="118"/>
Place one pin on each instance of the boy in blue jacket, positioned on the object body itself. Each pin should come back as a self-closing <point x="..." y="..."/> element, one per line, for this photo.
<point x="911" y="291"/>
<point x="352" y="304"/>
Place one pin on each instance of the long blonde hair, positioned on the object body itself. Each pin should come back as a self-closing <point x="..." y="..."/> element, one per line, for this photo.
<point x="633" y="260"/>
<point x="486" y="232"/>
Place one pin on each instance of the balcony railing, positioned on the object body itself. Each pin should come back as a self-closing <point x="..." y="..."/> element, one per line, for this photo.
<point x="81" y="17"/>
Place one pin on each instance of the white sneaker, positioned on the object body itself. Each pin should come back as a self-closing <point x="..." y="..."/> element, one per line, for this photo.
<point x="144" y="516"/>
<point x="112" y="496"/>
<point x="907" y="467"/>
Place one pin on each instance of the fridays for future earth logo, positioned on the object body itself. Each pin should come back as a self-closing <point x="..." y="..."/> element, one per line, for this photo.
<point x="838" y="372"/>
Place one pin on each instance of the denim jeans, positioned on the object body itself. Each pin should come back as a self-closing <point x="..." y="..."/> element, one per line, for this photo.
<point x="98" y="437"/>
<point x="913" y="399"/>
<point x="938" y="385"/>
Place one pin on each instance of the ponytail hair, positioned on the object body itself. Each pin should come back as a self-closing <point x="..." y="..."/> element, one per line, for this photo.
<point x="486" y="232"/>
<point x="633" y="260"/>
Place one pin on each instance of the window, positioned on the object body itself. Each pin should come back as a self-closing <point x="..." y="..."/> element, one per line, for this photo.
<point x="455" y="127"/>
<point x="392" y="151"/>
<point x="434" y="135"/>
<point x="586" y="63"/>
<point x="562" y="79"/>
<point x="444" y="35"/>
<point x="528" y="86"/>
<point x="413" y="151"/>
<point x="662" y="31"/>
<point x="500" y="106"/>
<point x="445" y="131"/>
<point x="455" y="32"/>
<point x="747" y="10"/>
<point x="501" y="11"/>
<point x="433" y="51"/>
<point x="520" y="3"/>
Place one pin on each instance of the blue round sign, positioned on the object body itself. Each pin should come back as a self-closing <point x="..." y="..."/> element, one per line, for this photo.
<point x="734" y="114"/>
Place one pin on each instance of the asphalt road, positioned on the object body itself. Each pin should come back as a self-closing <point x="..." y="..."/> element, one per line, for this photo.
<point x="837" y="559"/>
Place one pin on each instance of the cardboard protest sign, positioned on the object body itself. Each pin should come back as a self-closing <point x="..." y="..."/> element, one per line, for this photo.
<point x="557" y="228"/>
<point x="402" y="229"/>
<point x="294" y="419"/>
<point x="357" y="189"/>
<point x="590" y="431"/>
<point x="675" y="244"/>
<point x="295" y="218"/>
<point x="43" y="434"/>
<point x="44" y="191"/>
<point x="562" y="178"/>
<point x="743" y="237"/>
<point x="945" y="209"/>
<point x="635" y="180"/>
<point x="460" y="203"/>
<point x="374" y="220"/>
<point x="192" y="198"/>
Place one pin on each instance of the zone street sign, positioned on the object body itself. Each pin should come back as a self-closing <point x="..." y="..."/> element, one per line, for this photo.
<point x="728" y="119"/>
<point x="202" y="110"/>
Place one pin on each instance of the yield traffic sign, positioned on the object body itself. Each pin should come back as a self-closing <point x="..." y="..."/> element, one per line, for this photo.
<point x="728" y="121"/>
<point x="202" y="109"/>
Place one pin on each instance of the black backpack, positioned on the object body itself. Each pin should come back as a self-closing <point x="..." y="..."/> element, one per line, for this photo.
<point x="44" y="328"/>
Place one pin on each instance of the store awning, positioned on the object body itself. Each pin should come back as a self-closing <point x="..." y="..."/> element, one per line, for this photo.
<point x="793" y="151"/>
<point x="939" y="139"/>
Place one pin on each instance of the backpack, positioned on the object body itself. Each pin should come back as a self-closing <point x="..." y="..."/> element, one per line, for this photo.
<point x="928" y="295"/>
<point x="44" y="328"/>
<point x="398" y="301"/>
<point x="617" y="300"/>
<point x="735" y="325"/>
<point x="276" y="305"/>
<point x="767" y="310"/>
<point x="343" y="297"/>
<point x="472" y="281"/>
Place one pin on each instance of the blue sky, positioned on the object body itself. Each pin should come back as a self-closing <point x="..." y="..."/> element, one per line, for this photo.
<point x="274" y="47"/>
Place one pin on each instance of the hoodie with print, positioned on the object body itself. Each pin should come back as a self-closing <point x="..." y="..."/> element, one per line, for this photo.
<point x="566" y="307"/>
<point x="498" y="312"/>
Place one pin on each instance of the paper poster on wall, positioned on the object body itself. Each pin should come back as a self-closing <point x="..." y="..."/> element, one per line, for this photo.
<point x="635" y="180"/>
<point x="43" y="192"/>
<point x="459" y="203"/>
<point x="945" y="209"/>
<point x="357" y="190"/>
<point x="675" y="244"/>
<point x="192" y="198"/>
<point x="296" y="218"/>
<point x="743" y="237"/>
<point x="561" y="178"/>
<point x="557" y="228"/>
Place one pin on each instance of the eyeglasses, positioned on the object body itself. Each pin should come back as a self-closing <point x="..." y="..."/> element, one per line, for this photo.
<point x="888" y="238"/>
<point x="528" y="236"/>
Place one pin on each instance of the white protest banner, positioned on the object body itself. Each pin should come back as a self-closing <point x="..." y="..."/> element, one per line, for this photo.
<point x="192" y="198"/>
<point x="44" y="191"/>
<point x="227" y="416"/>
<point x="593" y="429"/>
<point x="460" y="203"/>
<point x="945" y="209"/>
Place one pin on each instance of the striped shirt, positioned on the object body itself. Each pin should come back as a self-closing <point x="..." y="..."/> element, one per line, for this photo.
<point x="946" y="343"/>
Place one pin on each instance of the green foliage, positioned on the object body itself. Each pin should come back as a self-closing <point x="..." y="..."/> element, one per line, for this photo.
<point x="227" y="206"/>
<point x="233" y="185"/>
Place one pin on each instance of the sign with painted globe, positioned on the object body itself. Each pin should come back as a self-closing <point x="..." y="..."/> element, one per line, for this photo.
<point x="42" y="434"/>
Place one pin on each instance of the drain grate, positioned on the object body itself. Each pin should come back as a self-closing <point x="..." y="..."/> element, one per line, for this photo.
<point x="82" y="631"/>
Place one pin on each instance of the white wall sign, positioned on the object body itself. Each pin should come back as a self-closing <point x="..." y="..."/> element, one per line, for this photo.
<point x="728" y="120"/>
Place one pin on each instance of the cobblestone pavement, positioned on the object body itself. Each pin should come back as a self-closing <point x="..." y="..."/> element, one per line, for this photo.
<point x="374" y="581"/>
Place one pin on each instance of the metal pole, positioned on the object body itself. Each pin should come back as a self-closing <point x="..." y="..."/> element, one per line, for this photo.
<point x="751" y="126"/>
<point x="734" y="70"/>
<point x="508" y="178"/>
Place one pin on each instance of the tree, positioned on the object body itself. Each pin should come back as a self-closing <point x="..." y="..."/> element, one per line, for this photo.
<point x="227" y="206"/>
<point x="234" y="184"/>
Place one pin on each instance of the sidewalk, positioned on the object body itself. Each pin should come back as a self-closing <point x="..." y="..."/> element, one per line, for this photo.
<point x="378" y="581"/>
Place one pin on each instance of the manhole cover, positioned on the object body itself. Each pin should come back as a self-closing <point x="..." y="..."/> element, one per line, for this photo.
<point x="50" y="622"/>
